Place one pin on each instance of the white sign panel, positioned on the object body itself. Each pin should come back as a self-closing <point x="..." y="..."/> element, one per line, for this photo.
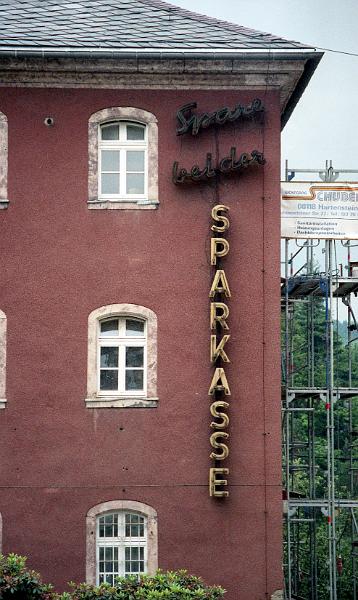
<point x="319" y="210"/>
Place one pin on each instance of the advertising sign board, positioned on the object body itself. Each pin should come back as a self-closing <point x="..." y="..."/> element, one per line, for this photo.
<point x="319" y="210"/>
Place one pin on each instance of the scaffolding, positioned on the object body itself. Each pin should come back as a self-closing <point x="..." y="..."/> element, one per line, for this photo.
<point x="319" y="284"/>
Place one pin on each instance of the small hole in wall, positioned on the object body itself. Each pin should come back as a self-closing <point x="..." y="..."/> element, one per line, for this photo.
<point x="49" y="121"/>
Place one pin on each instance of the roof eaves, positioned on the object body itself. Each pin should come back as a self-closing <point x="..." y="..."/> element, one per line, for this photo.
<point x="310" y="67"/>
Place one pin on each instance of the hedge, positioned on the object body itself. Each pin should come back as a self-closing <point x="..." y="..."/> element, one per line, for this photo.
<point x="19" y="583"/>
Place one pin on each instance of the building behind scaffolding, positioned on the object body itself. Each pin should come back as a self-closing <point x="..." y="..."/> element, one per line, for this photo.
<point x="319" y="287"/>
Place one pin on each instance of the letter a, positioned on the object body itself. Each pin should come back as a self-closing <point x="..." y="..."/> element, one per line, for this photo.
<point x="220" y="285"/>
<point x="219" y="382"/>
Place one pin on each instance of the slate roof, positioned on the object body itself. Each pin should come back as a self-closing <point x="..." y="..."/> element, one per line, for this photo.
<point x="124" y="25"/>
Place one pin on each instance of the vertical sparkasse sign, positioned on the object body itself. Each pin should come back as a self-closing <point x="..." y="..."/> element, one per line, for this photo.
<point x="219" y="292"/>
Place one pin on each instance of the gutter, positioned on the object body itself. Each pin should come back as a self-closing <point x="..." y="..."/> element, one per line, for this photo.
<point x="212" y="53"/>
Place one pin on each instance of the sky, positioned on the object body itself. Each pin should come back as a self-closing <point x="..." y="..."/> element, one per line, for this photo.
<point x="323" y="125"/>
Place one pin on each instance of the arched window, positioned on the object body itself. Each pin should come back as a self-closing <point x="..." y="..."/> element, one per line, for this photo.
<point x="2" y="359"/>
<point x="123" y="159"/>
<point x="122" y="539"/>
<point x="122" y="357"/>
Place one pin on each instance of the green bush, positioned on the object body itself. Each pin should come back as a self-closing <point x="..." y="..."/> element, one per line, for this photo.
<point x="18" y="583"/>
<point x="173" y="585"/>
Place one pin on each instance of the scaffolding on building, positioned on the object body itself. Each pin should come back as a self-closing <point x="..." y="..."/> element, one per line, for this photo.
<point x="319" y="281"/>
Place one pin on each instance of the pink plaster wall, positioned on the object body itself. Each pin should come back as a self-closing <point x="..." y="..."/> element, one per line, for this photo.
<point x="59" y="261"/>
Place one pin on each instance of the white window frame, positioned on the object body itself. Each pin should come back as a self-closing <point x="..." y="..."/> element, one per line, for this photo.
<point x="122" y="342"/>
<point x="120" y="114"/>
<point x="120" y="506"/>
<point x="121" y="542"/>
<point x="123" y="146"/>
<point x="3" y="327"/>
<point x="97" y="398"/>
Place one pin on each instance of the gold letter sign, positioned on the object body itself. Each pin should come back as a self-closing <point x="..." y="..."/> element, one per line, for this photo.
<point x="219" y="386"/>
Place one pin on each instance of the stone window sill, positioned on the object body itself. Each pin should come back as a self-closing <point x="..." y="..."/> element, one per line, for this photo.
<point x="2" y="403"/>
<point x="121" y="402"/>
<point x="4" y="204"/>
<point x="123" y="205"/>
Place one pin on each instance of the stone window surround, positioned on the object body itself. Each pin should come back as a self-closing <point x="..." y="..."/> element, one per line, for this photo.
<point x="3" y="324"/>
<point x="4" y="202"/>
<point x="114" y="506"/>
<point x="96" y="400"/>
<point x="121" y="113"/>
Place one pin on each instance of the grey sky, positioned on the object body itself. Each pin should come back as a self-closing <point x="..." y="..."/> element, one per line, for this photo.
<point x="323" y="125"/>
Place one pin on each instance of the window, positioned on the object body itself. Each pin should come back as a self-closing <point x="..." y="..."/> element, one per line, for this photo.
<point x="122" y="357"/>
<point x="3" y="162"/>
<point x="122" y="539"/>
<point x="123" y="159"/>
<point x="2" y="359"/>
<point x="121" y="545"/>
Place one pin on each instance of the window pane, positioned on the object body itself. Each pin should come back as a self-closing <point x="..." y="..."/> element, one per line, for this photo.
<point x="134" y="525"/>
<point x="135" y="132"/>
<point x="132" y="531"/>
<point x="109" y="328"/>
<point x="135" y="183"/>
<point x="134" y="380"/>
<point x="109" y="519"/>
<point x="135" y="161"/>
<point x="111" y="531"/>
<point x="109" y="380"/>
<point x="110" y="183"/>
<point x="134" y="357"/>
<point x="130" y="518"/>
<point x="110" y="160"/>
<point x="134" y="328"/>
<point x="109" y="358"/>
<point x="110" y="132"/>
